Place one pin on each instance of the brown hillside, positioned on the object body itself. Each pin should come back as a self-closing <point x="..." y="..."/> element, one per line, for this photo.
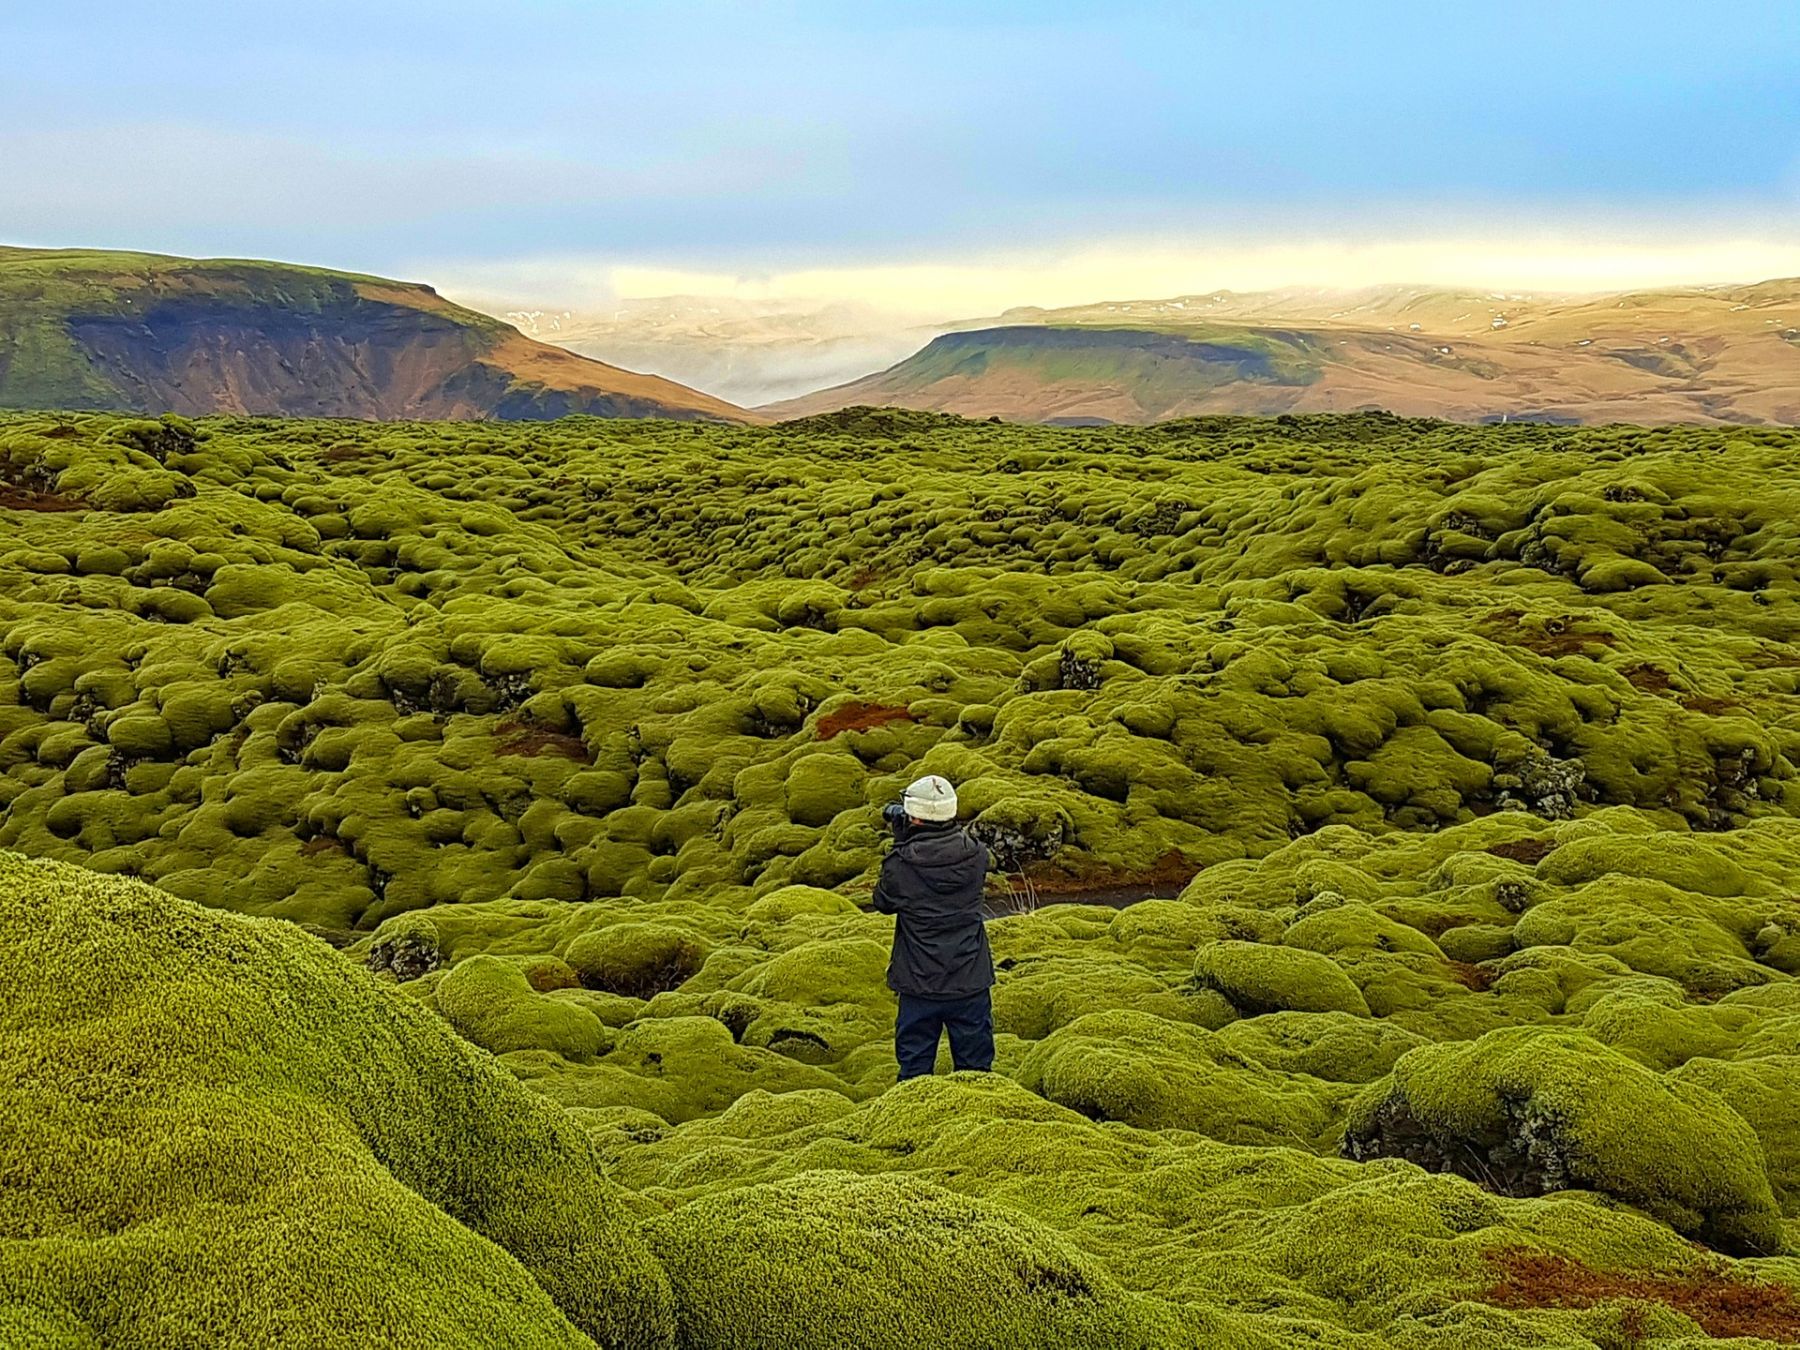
<point x="1715" y="354"/>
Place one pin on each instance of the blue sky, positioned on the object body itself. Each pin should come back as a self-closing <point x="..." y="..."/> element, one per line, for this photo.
<point x="752" y="139"/>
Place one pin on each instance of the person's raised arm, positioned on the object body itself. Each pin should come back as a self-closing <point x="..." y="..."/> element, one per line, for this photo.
<point x="886" y="899"/>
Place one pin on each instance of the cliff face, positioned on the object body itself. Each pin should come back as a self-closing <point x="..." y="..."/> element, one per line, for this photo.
<point x="135" y="332"/>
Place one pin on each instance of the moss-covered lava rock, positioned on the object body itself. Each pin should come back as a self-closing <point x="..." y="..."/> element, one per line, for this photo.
<point x="222" y="1133"/>
<point x="1528" y="1113"/>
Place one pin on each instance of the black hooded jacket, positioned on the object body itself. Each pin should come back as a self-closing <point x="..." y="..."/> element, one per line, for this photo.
<point x="932" y="882"/>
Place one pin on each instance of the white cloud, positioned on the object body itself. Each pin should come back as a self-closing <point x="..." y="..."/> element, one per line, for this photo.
<point x="1589" y="259"/>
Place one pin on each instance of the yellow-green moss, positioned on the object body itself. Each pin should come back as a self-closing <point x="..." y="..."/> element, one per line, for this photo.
<point x="1543" y="1111"/>
<point x="1260" y="978"/>
<point x="223" y="1133"/>
<point x="831" y="1259"/>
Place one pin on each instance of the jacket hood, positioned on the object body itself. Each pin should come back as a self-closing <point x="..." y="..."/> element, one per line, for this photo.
<point x="941" y="854"/>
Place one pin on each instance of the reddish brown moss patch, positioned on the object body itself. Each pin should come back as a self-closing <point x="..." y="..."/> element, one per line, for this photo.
<point x="1434" y="926"/>
<point x="1710" y="706"/>
<point x="322" y="843"/>
<point x="1471" y="976"/>
<point x="24" y="499"/>
<point x="1722" y="1303"/>
<point x="1531" y="852"/>
<point x="1655" y="680"/>
<point x="532" y="741"/>
<point x="1651" y="679"/>
<point x="1553" y="637"/>
<point x="861" y="717"/>
<point x="1093" y="883"/>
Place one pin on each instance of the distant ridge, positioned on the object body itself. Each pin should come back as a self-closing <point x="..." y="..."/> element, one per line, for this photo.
<point x="1691" y="354"/>
<point x="150" y="333"/>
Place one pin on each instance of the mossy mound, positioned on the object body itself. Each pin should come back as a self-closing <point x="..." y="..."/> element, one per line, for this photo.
<point x="221" y="1133"/>
<point x="833" y="1259"/>
<point x="1263" y="979"/>
<point x="636" y="959"/>
<point x="1155" y="1074"/>
<point x="1530" y="1112"/>
<point x="493" y="1003"/>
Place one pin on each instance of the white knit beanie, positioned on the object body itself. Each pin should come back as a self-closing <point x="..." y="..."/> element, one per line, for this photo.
<point x="931" y="798"/>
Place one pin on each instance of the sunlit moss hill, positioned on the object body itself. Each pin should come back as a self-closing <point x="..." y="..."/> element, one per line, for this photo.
<point x="1398" y="821"/>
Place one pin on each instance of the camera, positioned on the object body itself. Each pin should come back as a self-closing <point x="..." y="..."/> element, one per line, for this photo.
<point x="893" y="815"/>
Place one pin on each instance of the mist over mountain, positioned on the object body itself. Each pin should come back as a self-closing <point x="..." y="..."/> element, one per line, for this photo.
<point x="748" y="352"/>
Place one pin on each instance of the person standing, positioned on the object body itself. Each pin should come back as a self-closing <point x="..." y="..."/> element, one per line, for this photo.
<point x="942" y="969"/>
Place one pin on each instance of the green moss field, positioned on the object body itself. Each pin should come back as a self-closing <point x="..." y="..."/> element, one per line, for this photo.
<point x="435" y="864"/>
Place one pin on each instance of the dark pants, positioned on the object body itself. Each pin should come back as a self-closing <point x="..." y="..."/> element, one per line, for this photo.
<point x="970" y="1022"/>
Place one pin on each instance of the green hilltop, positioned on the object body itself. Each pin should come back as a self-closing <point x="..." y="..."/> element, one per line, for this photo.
<point x="143" y="332"/>
<point x="44" y="365"/>
<point x="441" y="850"/>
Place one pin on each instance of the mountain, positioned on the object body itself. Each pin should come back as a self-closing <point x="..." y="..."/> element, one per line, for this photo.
<point x="748" y="351"/>
<point x="1696" y="354"/>
<point x="149" y="333"/>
